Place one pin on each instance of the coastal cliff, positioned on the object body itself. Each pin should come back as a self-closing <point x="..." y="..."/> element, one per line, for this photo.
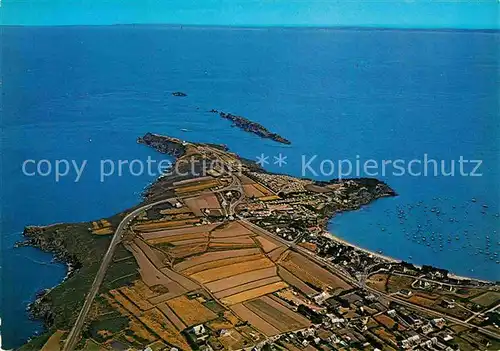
<point x="308" y="206"/>
<point x="163" y="144"/>
<point x="82" y="251"/>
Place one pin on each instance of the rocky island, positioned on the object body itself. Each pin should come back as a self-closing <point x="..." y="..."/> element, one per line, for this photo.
<point x="252" y="127"/>
<point x="222" y="255"/>
<point x="179" y="94"/>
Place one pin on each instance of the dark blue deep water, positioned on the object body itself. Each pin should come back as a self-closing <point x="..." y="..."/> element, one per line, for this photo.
<point x="87" y="93"/>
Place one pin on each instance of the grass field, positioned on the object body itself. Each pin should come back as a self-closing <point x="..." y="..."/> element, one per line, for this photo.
<point x="378" y="281"/>
<point x="53" y="344"/>
<point x="126" y="303"/>
<point x="487" y="299"/>
<point x="158" y="323"/>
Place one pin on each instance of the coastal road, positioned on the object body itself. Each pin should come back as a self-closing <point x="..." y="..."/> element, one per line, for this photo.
<point x="478" y="314"/>
<point x="72" y="338"/>
<point x="348" y="278"/>
<point x="387" y="296"/>
<point x="73" y="335"/>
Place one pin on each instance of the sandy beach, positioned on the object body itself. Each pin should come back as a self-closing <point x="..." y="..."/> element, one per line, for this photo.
<point x="369" y="252"/>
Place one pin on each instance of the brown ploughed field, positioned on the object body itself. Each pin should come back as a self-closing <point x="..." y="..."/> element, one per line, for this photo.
<point x="234" y="269"/>
<point x="240" y="279"/>
<point x="253" y="293"/>
<point x="190" y="311"/>
<point x="260" y="324"/>
<point x="214" y="256"/>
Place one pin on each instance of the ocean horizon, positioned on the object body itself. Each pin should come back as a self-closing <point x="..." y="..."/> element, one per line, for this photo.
<point x="337" y="94"/>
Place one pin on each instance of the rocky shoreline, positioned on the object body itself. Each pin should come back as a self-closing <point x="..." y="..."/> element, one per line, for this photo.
<point x="252" y="127"/>
<point x="35" y="238"/>
<point x="163" y="144"/>
<point x="72" y="249"/>
<point x="41" y="307"/>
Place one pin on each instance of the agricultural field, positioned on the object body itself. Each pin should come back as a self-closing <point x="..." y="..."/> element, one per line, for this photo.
<point x="277" y="314"/>
<point x="190" y="311"/>
<point x="192" y="181"/>
<point x="176" y="211"/>
<point x="311" y="273"/>
<point x="196" y="186"/>
<point x="102" y="227"/>
<point x="277" y="253"/>
<point x="396" y="283"/>
<point x="434" y="302"/>
<point x="267" y="244"/>
<point x="231" y="229"/>
<point x="173" y="233"/>
<point x="159" y="324"/>
<point x="296" y="282"/>
<point x="214" y="256"/>
<point x="487" y="299"/>
<point x="220" y="263"/>
<point x="125" y="303"/>
<point x="378" y="281"/>
<point x="248" y="286"/>
<point x="213" y="274"/>
<point x="149" y="226"/>
<point x="252" y="191"/>
<point x="167" y="311"/>
<point x="253" y="293"/>
<point x="255" y="320"/>
<point x="54" y="342"/>
<point x="199" y="203"/>
<point x="181" y="264"/>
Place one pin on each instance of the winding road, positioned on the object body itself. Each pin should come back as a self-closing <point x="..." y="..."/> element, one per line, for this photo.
<point x="325" y="264"/>
<point x="74" y="334"/>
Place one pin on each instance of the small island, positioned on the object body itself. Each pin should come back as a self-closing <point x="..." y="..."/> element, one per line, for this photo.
<point x="252" y="127"/>
<point x="179" y="94"/>
<point x="223" y="255"/>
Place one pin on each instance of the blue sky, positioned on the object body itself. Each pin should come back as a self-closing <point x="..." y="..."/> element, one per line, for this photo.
<point x="483" y="14"/>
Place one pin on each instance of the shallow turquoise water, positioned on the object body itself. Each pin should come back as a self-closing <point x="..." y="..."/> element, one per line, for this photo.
<point x="384" y="95"/>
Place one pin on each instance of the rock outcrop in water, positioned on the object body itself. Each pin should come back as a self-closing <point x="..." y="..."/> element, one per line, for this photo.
<point x="252" y="127"/>
<point x="179" y="94"/>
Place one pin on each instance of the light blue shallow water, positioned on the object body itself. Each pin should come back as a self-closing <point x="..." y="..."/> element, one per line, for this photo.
<point x="87" y="93"/>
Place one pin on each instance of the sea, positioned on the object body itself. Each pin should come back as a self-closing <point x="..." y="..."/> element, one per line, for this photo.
<point x="84" y="94"/>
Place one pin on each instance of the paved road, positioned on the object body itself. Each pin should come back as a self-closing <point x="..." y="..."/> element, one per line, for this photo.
<point x="73" y="336"/>
<point x="478" y="314"/>
<point x="387" y="296"/>
<point x="235" y="185"/>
